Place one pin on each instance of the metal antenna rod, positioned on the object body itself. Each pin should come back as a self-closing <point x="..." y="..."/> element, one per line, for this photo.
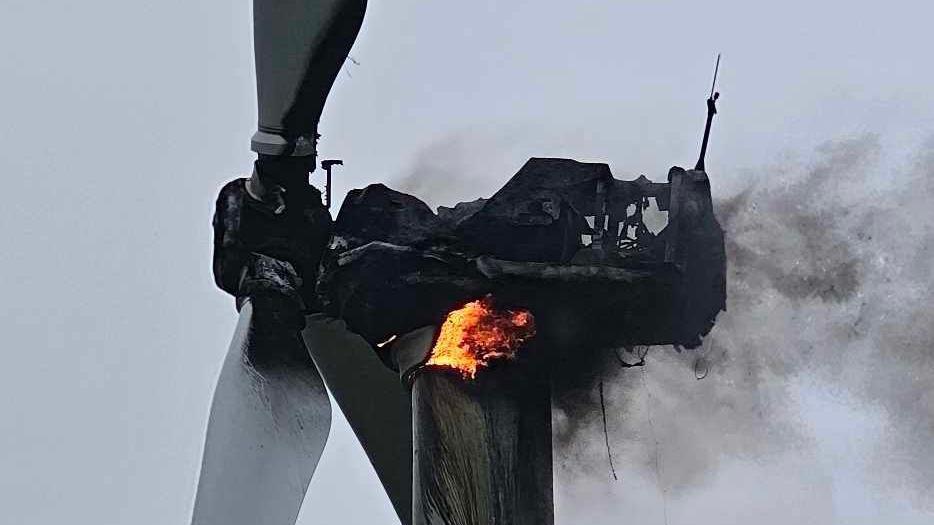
<point x="715" y="71"/>
<point x="711" y="111"/>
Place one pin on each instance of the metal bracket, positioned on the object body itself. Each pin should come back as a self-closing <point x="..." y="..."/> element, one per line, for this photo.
<point x="326" y="165"/>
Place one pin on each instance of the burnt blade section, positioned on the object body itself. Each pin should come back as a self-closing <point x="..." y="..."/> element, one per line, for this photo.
<point x="481" y="441"/>
<point x="483" y="446"/>
<point x="480" y="457"/>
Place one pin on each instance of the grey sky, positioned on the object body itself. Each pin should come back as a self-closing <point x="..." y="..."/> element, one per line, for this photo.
<point x="123" y="119"/>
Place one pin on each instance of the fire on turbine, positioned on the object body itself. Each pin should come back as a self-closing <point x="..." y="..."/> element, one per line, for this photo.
<point x="477" y="334"/>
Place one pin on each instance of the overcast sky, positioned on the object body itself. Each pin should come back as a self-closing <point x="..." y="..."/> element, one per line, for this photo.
<point x="122" y="119"/>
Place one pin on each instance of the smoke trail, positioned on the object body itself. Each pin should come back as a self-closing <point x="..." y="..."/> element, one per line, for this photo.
<point x="828" y="330"/>
<point x="829" y="284"/>
<point x="450" y="170"/>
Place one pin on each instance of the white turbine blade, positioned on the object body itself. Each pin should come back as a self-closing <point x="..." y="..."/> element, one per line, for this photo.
<point x="269" y="422"/>
<point x="372" y="397"/>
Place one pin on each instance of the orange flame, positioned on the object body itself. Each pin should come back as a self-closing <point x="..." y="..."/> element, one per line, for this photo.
<point x="473" y="336"/>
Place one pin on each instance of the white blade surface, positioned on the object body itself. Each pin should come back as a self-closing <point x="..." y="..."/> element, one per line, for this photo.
<point x="371" y="396"/>
<point x="268" y="426"/>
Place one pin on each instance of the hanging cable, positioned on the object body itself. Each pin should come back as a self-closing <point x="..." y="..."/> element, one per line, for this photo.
<point x="606" y="434"/>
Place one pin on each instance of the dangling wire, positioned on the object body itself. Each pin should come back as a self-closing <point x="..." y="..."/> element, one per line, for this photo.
<point x="641" y="352"/>
<point x="606" y="434"/>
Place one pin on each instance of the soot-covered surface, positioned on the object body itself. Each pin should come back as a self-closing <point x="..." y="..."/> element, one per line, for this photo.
<point x="394" y="265"/>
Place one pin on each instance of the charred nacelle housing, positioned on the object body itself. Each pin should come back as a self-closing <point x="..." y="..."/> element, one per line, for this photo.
<point x="560" y="238"/>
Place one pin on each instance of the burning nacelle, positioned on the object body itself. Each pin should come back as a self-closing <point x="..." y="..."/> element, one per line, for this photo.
<point x="395" y="271"/>
<point x="399" y="274"/>
<point x="395" y="266"/>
